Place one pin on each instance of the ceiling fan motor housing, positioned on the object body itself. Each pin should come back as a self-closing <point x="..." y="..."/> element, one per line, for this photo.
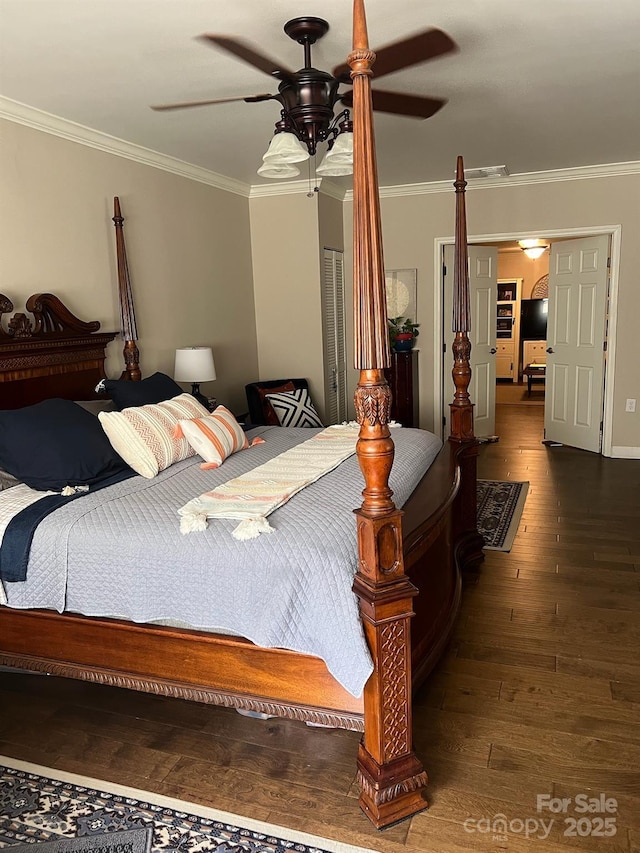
<point x="309" y="100"/>
<point x="310" y="96"/>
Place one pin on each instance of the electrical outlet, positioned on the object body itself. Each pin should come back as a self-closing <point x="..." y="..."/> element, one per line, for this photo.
<point x="631" y="405"/>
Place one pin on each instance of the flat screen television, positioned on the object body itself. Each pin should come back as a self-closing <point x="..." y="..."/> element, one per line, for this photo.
<point x="533" y="319"/>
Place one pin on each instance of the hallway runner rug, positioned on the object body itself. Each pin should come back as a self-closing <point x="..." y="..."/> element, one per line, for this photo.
<point x="500" y="505"/>
<point x="40" y="804"/>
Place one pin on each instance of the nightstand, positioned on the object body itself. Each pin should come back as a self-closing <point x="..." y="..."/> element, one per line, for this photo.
<point x="402" y="377"/>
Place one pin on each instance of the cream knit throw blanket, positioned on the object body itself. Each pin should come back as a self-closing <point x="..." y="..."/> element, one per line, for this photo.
<point x="256" y="494"/>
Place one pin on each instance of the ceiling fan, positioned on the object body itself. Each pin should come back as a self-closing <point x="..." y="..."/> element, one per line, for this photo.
<point x="308" y="96"/>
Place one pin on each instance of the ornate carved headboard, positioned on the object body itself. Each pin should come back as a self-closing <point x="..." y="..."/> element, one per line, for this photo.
<point x="53" y="354"/>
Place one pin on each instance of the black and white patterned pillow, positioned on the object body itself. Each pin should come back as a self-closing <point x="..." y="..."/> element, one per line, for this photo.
<point x="295" y="409"/>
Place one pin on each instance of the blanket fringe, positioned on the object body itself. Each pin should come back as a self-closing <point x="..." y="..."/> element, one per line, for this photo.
<point x="250" y="528"/>
<point x="252" y="496"/>
<point x="73" y="490"/>
<point x="193" y="521"/>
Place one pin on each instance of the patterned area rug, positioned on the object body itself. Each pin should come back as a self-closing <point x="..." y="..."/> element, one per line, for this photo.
<point x="500" y="506"/>
<point x="42" y="804"/>
<point x="123" y="841"/>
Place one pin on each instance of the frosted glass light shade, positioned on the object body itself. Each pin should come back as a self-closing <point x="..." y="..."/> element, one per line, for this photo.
<point x="329" y="169"/>
<point x="342" y="150"/>
<point x="274" y="170"/>
<point x="339" y="158"/>
<point x="194" y="364"/>
<point x="535" y="252"/>
<point x="286" y="148"/>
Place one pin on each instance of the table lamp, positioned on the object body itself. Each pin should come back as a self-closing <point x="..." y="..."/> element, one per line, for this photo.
<point x="195" y="365"/>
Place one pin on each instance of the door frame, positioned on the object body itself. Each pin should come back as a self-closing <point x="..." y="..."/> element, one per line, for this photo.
<point x="439" y="339"/>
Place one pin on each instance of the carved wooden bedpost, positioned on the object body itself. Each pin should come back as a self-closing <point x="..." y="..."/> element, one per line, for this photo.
<point x="462" y="438"/>
<point x="127" y="312"/>
<point x="390" y="776"/>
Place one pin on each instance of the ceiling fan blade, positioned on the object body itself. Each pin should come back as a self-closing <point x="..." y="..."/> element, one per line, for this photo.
<point x="249" y="99"/>
<point x="405" y="53"/>
<point x="247" y="53"/>
<point x="414" y="106"/>
<point x="412" y="51"/>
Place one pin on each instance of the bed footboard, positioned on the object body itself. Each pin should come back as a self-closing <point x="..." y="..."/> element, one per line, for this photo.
<point x="195" y="665"/>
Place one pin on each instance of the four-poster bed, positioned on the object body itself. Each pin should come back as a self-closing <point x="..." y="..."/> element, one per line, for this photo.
<point x="420" y="548"/>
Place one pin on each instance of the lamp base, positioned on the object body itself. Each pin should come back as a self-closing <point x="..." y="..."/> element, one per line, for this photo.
<point x="195" y="392"/>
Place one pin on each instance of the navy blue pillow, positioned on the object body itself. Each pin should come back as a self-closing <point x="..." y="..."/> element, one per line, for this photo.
<point x="154" y="389"/>
<point x="54" y="444"/>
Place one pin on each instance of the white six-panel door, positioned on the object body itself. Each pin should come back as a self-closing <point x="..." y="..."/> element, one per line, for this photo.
<point x="576" y="331"/>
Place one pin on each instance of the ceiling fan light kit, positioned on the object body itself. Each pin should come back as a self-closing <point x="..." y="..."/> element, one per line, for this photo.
<point x="308" y="97"/>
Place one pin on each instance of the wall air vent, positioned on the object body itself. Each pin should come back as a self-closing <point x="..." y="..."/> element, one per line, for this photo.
<point x="487" y="172"/>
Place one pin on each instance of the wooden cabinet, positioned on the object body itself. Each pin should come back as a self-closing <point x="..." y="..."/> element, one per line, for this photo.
<point x="402" y="377"/>
<point x="505" y="360"/>
<point x="507" y="328"/>
<point x="534" y="352"/>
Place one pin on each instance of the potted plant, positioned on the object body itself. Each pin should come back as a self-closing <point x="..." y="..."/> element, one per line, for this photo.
<point x="402" y="333"/>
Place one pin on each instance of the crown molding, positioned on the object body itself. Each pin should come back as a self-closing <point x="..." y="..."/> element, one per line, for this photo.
<point x="333" y="190"/>
<point x="48" y="123"/>
<point x="279" y="188"/>
<point x="605" y="170"/>
<point x="296" y="187"/>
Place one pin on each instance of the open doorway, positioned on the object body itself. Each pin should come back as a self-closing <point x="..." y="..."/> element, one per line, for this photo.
<point x="573" y="386"/>
<point x="508" y="327"/>
<point x="521" y="326"/>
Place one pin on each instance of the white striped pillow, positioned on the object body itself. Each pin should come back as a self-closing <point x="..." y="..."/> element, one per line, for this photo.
<point x="214" y="437"/>
<point x="145" y="435"/>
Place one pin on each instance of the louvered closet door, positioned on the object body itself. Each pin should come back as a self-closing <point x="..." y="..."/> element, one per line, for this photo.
<point x="335" y="363"/>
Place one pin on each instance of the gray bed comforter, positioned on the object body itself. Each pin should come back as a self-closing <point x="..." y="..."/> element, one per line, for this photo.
<point x="119" y="553"/>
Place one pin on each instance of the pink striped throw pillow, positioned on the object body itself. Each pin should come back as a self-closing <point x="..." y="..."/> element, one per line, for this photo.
<point x="214" y="437"/>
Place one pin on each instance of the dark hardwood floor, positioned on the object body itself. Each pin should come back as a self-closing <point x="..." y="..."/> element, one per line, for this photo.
<point x="538" y="695"/>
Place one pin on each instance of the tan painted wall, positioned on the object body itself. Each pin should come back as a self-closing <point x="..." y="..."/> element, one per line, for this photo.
<point x="286" y="274"/>
<point x="411" y="224"/>
<point x="188" y="247"/>
<point x="330" y="224"/>
<point x="191" y="246"/>
<point x="518" y="265"/>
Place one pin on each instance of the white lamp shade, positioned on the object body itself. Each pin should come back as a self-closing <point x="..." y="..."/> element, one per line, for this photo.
<point x="286" y="148"/>
<point x="194" y="364"/>
<point x="274" y="170"/>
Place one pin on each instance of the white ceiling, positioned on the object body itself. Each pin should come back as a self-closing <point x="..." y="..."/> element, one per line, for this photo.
<point x="537" y="86"/>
